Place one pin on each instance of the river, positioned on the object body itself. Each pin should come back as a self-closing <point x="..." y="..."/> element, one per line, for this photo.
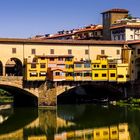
<point x="70" y="122"/>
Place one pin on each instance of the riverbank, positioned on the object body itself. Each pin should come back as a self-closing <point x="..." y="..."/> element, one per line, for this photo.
<point x="130" y="102"/>
<point x="5" y="100"/>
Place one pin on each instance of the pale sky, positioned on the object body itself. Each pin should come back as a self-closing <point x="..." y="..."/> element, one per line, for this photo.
<point x="26" y="18"/>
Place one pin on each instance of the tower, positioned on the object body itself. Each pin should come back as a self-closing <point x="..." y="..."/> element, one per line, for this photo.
<point x="109" y="17"/>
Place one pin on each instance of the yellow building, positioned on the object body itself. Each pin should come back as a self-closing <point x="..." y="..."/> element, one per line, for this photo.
<point x="51" y="67"/>
<point x="123" y="72"/>
<point x="69" y="64"/>
<point x="99" y="70"/>
<point x="82" y="71"/>
<point x="35" y="69"/>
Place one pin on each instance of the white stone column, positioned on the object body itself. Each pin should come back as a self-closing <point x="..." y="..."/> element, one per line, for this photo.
<point x="3" y="71"/>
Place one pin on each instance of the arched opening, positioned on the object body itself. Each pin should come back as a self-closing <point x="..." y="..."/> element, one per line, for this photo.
<point x="1" y="68"/>
<point x="90" y="94"/>
<point x="20" y="96"/>
<point x="13" y="67"/>
<point x="137" y="68"/>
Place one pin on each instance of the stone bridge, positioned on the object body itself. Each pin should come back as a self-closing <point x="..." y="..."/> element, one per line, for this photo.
<point x="44" y="93"/>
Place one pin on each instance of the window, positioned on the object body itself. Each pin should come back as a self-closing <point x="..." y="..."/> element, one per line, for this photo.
<point x="60" y="59"/>
<point x="42" y="65"/>
<point x="33" y="74"/>
<point x="105" y="133"/>
<point x="131" y="36"/>
<point x="33" y="51"/>
<point x="104" y="75"/>
<point x="57" y="73"/>
<point x="103" y="66"/>
<point x="114" y="132"/>
<point x="120" y="76"/>
<point x="51" y="59"/>
<point x="33" y="65"/>
<point x="78" y="74"/>
<point x="102" y="51"/>
<point x="68" y="59"/>
<point x="42" y="74"/>
<point x="69" y="51"/>
<point x="97" y="133"/>
<point x="127" y="76"/>
<point x="117" y="52"/>
<point x="78" y="65"/>
<point x="87" y="74"/>
<point x="86" y="52"/>
<point x="121" y="130"/>
<point x="138" y="51"/>
<point x="51" y="51"/>
<point x="96" y="75"/>
<point x="87" y="65"/>
<point x="13" y="50"/>
<point x="112" y="74"/>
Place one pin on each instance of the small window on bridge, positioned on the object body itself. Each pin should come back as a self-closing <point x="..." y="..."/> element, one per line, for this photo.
<point x="87" y="65"/>
<point x="97" y="133"/>
<point x="42" y="65"/>
<point x="105" y="133"/>
<point x="122" y="130"/>
<point x="96" y="75"/>
<point x="33" y="65"/>
<point x="104" y="75"/>
<point x="87" y="74"/>
<point x="57" y="73"/>
<point x="114" y="132"/>
<point x="120" y="76"/>
<point x="42" y="74"/>
<point x="13" y="50"/>
<point x="33" y="74"/>
<point x="78" y="65"/>
<point x="94" y="66"/>
<point x="103" y="66"/>
<point x="127" y="76"/>
<point x="112" y="75"/>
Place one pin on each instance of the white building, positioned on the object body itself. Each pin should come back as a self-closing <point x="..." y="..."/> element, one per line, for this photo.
<point x="126" y="29"/>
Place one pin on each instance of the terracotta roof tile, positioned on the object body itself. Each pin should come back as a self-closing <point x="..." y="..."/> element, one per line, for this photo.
<point x="124" y="26"/>
<point x="62" y="42"/>
<point x="116" y="10"/>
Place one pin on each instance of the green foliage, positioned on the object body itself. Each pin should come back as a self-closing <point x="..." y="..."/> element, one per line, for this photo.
<point x="4" y="93"/>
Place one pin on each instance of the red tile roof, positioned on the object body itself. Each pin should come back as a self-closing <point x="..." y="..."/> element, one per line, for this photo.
<point x="124" y="26"/>
<point x="116" y="10"/>
<point x="133" y="42"/>
<point x="62" y="42"/>
<point x="94" y="28"/>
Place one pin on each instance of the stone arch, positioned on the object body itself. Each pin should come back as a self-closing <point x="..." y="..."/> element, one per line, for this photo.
<point x="21" y="96"/>
<point x="137" y="68"/>
<point x="1" y="68"/>
<point x="13" y="67"/>
<point x="101" y="90"/>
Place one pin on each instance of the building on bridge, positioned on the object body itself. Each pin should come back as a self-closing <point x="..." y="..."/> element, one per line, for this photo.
<point x="15" y="51"/>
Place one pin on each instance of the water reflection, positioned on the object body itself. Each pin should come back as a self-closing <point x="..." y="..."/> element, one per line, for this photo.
<point x="70" y="122"/>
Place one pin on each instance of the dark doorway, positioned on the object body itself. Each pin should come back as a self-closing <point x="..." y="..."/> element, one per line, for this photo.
<point x="13" y="67"/>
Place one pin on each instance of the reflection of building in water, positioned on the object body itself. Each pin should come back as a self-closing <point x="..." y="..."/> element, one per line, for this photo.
<point x="37" y="137"/>
<point x="16" y="135"/>
<point x="116" y="132"/>
<point x="63" y="123"/>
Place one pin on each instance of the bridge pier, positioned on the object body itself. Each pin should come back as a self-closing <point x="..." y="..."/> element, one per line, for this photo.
<point x="47" y="94"/>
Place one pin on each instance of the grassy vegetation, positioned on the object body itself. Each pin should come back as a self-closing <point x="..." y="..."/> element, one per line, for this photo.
<point x="5" y="97"/>
<point x="130" y="102"/>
